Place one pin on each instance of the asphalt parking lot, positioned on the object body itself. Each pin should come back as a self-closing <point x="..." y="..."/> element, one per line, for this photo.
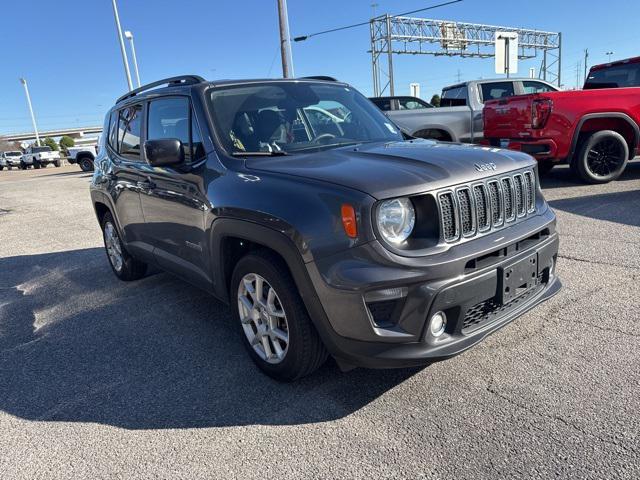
<point x="101" y="379"/>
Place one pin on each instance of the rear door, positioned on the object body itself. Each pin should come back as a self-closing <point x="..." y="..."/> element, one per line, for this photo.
<point x="174" y="200"/>
<point x="127" y="174"/>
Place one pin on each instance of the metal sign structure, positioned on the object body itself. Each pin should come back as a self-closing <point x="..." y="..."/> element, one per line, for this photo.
<point x="420" y="36"/>
<point x="506" y="52"/>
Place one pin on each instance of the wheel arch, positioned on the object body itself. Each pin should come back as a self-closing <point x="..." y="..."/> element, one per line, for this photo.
<point x="101" y="206"/>
<point x="616" y="121"/>
<point x="446" y="134"/>
<point x="226" y="233"/>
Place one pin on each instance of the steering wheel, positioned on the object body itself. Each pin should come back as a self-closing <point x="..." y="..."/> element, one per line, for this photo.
<point x="323" y="136"/>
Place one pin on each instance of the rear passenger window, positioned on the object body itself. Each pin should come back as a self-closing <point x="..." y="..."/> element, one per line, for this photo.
<point x="454" y="97"/>
<point x="172" y="118"/>
<point x="129" y="123"/>
<point x="536" y="87"/>
<point x="492" y="91"/>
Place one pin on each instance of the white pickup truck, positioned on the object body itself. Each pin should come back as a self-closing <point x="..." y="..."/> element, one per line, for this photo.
<point x="10" y="159"/>
<point x="37" y="157"/>
<point x="83" y="156"/>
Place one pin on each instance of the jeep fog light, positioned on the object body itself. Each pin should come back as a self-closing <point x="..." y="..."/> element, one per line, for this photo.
<point x="437" y="324"/>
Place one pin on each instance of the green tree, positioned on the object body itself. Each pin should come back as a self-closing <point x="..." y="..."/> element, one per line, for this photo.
<point x="66" y="142"/>
<point x="50" y="142"/>
<point x="435" y="100"/>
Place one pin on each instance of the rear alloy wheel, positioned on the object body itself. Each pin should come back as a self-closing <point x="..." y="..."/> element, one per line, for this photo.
<point x="280" y="337"/>
<point x="122" y="263"/>
<point x="86" y="164"/>
<point x="602" y="157"/>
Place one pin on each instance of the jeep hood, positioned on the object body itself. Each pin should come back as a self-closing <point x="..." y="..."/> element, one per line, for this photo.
<point x="385" y="170"/>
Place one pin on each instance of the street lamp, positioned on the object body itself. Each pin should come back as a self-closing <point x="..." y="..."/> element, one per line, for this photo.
<point x="609" y="55"/>
<point x="129" y="36"/>
<point x="122" y="49"/>
<point x="33" y="117"/>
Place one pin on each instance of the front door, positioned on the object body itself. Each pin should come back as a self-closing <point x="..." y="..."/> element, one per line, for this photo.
<point x="173" y="198"/>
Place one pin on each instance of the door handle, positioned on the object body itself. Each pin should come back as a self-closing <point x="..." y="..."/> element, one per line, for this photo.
<point x="146" y="185"/>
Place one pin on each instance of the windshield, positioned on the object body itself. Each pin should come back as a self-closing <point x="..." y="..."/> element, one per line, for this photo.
<point x="296" y="117"/>
<point x="13" y="154"/>
<point x="40" y="149"/>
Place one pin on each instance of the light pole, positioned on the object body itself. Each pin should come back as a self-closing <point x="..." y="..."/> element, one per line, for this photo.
<point x="285" y="42"/>
<point x="122" y="49"/>
<point x="129" y="37"/>
<point x="33" y="117"/>
<point x="609" y="55"/>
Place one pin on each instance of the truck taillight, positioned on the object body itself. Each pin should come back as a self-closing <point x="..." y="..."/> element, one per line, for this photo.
<point x="540" y="111"/>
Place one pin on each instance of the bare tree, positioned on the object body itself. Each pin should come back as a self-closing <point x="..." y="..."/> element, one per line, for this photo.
<point x="6" y="146"/>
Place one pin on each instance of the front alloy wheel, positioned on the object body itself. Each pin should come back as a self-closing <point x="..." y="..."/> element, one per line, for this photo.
<point x="263" y="318"/>
<point x="280" y="337"/>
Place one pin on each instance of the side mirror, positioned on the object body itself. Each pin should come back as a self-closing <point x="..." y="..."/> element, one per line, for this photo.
<point x="162" y="152"/>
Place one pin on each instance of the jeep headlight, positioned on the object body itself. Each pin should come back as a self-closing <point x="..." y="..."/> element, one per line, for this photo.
<point x="396" y="219"/>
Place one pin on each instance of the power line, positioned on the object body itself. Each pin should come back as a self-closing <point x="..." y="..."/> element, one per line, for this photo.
<point x="331" y="30"/>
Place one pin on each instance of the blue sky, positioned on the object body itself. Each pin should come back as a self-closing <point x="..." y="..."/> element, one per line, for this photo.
<point x="68" y="51"/>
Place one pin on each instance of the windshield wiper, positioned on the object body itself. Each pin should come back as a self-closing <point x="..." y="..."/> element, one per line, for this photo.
<point x="279" y="153"/>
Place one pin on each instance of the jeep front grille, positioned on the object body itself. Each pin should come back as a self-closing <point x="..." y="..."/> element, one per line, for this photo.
<point x="471" y="209"/>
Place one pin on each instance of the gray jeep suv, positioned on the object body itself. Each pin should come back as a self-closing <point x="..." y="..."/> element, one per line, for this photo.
<point x="299" y="204"/>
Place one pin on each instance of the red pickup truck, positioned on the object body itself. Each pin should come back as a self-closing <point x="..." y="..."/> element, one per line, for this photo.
<point x="596" y="130"/>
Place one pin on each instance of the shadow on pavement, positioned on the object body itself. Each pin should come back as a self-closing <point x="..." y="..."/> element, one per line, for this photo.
<point x="78" y="345"/>
<point x="561" y="176"/>
<point x="619" y="207"/>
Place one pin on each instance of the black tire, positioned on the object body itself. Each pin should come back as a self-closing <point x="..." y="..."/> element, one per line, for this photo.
<point x="23" y="165"/>
<point x="36" y="164"/>
<point x="305" y="352"/>
<point x="86" y="164"/>
<point x="56" y="163"/>
<point x="1" y="168"/>
<point x="545" y="167"/>
<point x="601" y="158"/>
<point x="131" y="269"/>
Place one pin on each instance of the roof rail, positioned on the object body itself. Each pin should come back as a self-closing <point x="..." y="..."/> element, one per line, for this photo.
<point x="171" y="81"/>
<point x="321" y="77"/>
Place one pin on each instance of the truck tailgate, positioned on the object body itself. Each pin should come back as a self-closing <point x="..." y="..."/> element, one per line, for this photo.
<point x="508" y="117"/>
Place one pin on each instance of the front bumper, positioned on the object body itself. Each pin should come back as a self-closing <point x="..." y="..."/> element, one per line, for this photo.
<point x="465" y="282"/>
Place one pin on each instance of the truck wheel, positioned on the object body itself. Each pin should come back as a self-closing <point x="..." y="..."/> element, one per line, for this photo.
<point x="56" y="163"/>
<point x="86" y="164"/>
<point x="1" y="168"/>
<point x="602" y="157"/>
<point x="122" y="263"/>
<point x="23" y="165"/>
<point x="278" y="332"/>
<point x="36" y="164"/>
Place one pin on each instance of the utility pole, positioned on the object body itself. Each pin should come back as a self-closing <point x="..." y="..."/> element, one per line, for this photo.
<point x="129" y="36"/>
<point x="586" y="59"/>
<point x="285" y="42"/>
<point x="122" y="49"/>
<point x="459" y="75"/>
<point x="23" y="81"/>
<point x="608" y="54"/>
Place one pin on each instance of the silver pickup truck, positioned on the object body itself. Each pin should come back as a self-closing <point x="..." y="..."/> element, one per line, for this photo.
<point x="459" y="117"/>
